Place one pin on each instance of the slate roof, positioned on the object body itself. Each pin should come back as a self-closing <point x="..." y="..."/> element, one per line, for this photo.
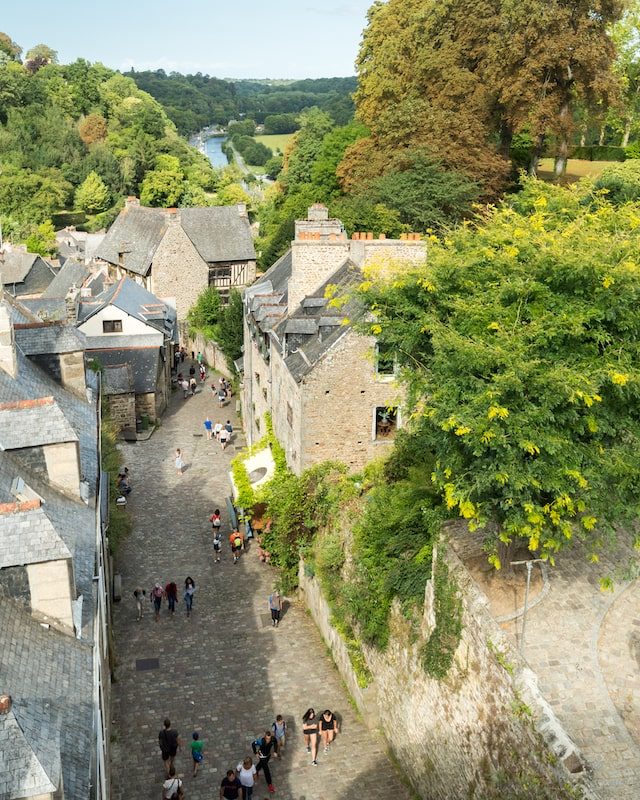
<point x="143" y="365"/>
<point x="27" y="535"/>
<point x="33" y="424"/>
<point x="137" y="232"/>
<point x="219" y="233"/>
<point x="117" y="379"/>
<point x="266" y="300"/>
<point x="135" y="300"/>
<point x="72" y="273"/>
<point x="29" y="749"/>
<point x="16" y="265"/>
<point x="45" y="309"/>
<point x="43" y="337"/>
<point x="313" y="329"/>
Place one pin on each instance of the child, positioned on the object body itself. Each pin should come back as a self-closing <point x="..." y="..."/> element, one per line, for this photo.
<point x="196" y="752"/>
<point x="217" y="543"/>
<point x="279" y="731"/>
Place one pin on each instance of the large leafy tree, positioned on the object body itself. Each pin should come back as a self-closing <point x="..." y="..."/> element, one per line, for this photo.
<point x="520" y="343"/>
<point x="92" y="195"/>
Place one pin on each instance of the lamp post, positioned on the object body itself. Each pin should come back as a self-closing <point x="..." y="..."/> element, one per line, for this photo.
<point x="529" y="562"/>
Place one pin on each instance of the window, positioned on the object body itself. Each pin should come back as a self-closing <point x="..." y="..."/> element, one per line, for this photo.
<point x="385" y="361"/>
<point x="385" y="422"/>
<point x="290" y="415"/>
<point x="221" y="277"/>
<point x="112" y="326"/>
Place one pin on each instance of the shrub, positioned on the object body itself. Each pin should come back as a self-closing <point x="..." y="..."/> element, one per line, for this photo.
<point x="595" y="152"/>
<point x="622" y="182"/>
<point x="633" y="150"/>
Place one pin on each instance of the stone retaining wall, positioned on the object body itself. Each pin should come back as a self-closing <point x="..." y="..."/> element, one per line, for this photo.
<point x="485" y="726"/>
<point x="213" y="355"/>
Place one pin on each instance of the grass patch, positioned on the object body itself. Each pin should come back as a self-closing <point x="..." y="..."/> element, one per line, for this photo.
<point x="576" y="169"/>
<point x="275" y="141"/>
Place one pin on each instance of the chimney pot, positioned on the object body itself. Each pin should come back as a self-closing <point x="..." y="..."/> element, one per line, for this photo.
<point x="369" y="235"/>
<point x="403" y="237"/>
<point x="5" y="703"/>
<point x="382" y="236"/>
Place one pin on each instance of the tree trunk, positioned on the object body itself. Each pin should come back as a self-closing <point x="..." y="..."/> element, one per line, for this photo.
<point x="560" y="164"/>
<point x="535" y="155"/>
<point x="507" y="554"/>
<point x="627" y="132"/>
<point x="583" y="139"/>
<point x="564" y="126"/>
<point x="601" y="137"/>
<point x="506" y="137"/>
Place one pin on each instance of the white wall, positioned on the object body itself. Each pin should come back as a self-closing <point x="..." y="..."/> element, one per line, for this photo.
<point x="130" y="325"/>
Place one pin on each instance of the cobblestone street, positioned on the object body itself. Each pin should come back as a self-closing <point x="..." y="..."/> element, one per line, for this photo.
<point x="224" y="672"/>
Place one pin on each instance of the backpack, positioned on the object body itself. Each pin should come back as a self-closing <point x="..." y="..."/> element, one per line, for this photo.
<point x="237" y="541"/>
<point x="256" y="744"/>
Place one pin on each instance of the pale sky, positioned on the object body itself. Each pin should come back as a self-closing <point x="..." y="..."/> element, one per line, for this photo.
<point x="227" y="39"/>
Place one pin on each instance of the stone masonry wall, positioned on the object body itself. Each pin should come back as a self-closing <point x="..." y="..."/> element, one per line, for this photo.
<point x="484" y="724"/>
<point x="313" y="262"/>
<point x="339" y="398"/>
<point x="213" y="355"/>
<point x="178" y="272"/>
<point x="122" y="409"/>
<point x="286" y="410"/>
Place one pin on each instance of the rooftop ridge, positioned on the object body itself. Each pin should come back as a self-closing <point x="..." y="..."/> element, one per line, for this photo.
<point x="20" y="507"/>
<point x="21" y="404"/>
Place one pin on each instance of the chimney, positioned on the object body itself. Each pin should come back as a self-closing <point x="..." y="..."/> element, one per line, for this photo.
<point x="318" y="213"/>
<point x="7" y="343"/>
<point x="5" y="703"/>
<point x="71" y="305"/>
<point x="242" y="210"/>
<point x="131" y="201"/>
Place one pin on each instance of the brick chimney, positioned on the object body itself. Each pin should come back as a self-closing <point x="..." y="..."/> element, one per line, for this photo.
<point x="320" y="247"/>
<point x="7" y="342"/>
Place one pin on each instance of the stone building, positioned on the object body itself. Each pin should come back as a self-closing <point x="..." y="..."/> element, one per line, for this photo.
<point x="132" y="335"/>
<point x="176" y="253"/>
<point x="330" y="390"/>
<point x="54" y="703"/>
<point x="24" y="274"/>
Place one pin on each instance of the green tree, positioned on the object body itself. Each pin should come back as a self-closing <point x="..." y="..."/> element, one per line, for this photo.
<point x="229" y="333"/>
<point x="40" y="56"/>
<point x="9" y="47"/>
<point x="519" y="342"/>
<point x="204" y="315"/>
<point x="92" y="196"/>
<point x="43" y="239"/>
<point x="162" y="188"/>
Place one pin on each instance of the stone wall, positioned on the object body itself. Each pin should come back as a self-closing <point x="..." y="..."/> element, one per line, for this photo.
<point x="286" y="403"/>
<point x="178" y="272"/>
<point x="483" y="732"/>
<point x="213" y="355"/>
<point x="145" y="405"/>
<point x="313" y="262"/>
<point x="122" y="410"/>
<point x="339" y="398"/>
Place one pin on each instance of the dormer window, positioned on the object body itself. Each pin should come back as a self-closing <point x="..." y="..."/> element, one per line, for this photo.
<point x="112" y="326"/>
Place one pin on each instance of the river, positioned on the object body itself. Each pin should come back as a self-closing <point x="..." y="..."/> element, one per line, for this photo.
<point x="213" y="151"/>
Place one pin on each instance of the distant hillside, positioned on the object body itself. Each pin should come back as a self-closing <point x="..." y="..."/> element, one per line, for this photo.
<point x="194" y="102"/>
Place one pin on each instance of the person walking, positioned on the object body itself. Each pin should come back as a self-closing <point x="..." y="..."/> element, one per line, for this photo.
<point x="216" y="430"/>
<point x="172" y="787"/>
<point x="223" y="437"/>
<point x="141" y="596"/>
<point x="236" y="540"/>
<point x="310" y="728"/>
<point x="248" y="776"/>
<point x="217" y="544"/>
<point x="169" y="742"/>
<point x="279" y="728"/>
<point x="189" y="589"/>
<point x="157" y="593"/>
<point x="185" y="387"/>
<point x="199" y="358"/>
<point x="171" y="592"/>
<point x="197" y="751"/>
<point x="193" y="385"/>
<point x="328" y="728"/>
<point x="275" y="606"/>
<point x="264" y="748"/>
<point x="208" y="426"/>
<point x="203" y="373"/>
<point x="222" y="396"/>
<point x="179" y="461"/>
<point x="230" y="787"/>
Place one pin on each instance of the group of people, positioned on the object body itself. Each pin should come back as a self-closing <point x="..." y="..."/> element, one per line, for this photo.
<point x="219" y="432"/>
<point x="241" y="781"/>
<point x="223" y="390"/>
<point x="168" y="593"/>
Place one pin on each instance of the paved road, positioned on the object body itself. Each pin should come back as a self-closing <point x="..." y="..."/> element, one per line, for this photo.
<point x="225" y="672"/>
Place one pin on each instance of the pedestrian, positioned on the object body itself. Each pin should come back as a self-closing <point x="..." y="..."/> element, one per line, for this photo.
<point x="192" y="371"/>
<point x="171" y="591"/>
<point x="183" y="354"/>
<point x="208" y="426"/>
<point x="176" y="359"/>
<point x="328" y="728"/>
<point x="197" y="751"/>
<point x="189" y="589"/>
<point x="223" y="437"/>
<point x="275" y="606"/>
<point x="280" y="732"/>
<point x="236" y="540"/>
<point x="310" y="730"/>
<point x="229" y="427"/>
<point x="172" y="787"/>
<point x="193" y="355"/>
<point x="264" y="747"/>
<point x="193" y="385"/>
<point x="248" y="777"/>
<point x="222" y="396"/>
<point x="185" y="387"/>
<point x="216" y="519"/>
<point x="141" y="596"/>
<point x="203" y="373"/>
<point x="217" y="543"/>
<point x="179" y="462"/>
<point x="199" y="358"/>
<point x="169" y="742"/>
<point x="216" y="430"/>
<point x="157" y="593"/>
<point x="230" y="786"/>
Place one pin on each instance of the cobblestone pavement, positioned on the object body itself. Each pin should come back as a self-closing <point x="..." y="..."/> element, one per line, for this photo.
<point x="224" y="672"/>
<point x="584" y="645"/>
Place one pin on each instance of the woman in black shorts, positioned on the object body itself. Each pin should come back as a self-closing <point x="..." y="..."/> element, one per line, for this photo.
<point x="310" y="729"/>
<point x="328" y="728"/>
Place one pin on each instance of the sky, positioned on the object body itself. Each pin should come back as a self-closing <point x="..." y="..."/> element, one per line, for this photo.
<point x="223" y="38"/>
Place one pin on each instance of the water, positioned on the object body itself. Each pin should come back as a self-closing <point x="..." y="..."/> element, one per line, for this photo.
<point x="213" y="150"/>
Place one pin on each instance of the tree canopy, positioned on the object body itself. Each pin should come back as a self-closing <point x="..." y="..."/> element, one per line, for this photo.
<point x="519" y="346"/>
